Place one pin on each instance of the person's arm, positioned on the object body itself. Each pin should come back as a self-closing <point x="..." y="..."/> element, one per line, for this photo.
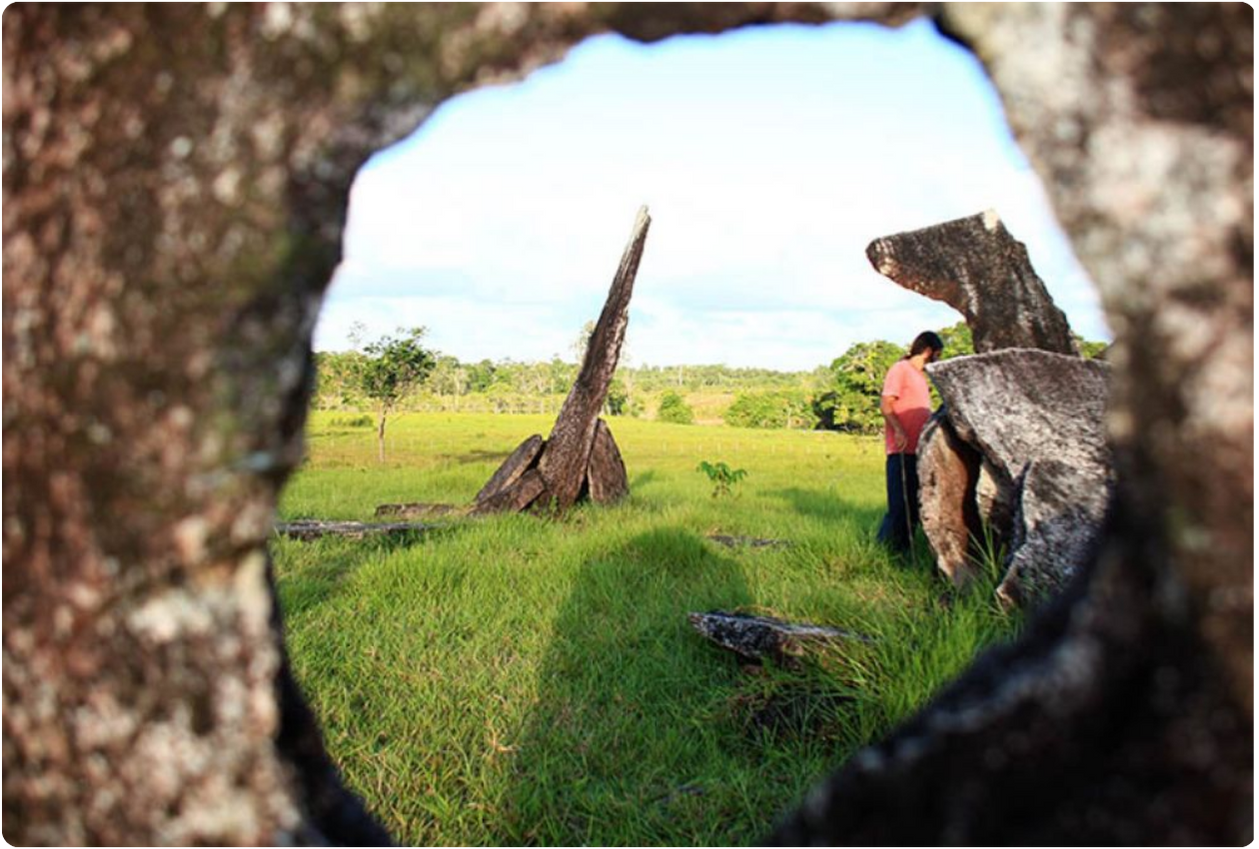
<point x="899" y="438"/>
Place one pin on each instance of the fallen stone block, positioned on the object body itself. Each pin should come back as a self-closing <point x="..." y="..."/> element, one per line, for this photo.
<point x="766" y="638"/>
<point x="307" y="530"/>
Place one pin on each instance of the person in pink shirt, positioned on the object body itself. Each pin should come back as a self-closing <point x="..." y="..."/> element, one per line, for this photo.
<point x="906" y="406"/>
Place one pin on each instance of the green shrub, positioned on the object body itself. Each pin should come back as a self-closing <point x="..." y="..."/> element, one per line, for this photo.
<point x="723" y="477"/>
<point x="781" y="409"/>
<point x="673" y="408"/>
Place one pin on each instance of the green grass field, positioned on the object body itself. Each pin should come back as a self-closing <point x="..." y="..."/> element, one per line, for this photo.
<point x="520" y="680"/>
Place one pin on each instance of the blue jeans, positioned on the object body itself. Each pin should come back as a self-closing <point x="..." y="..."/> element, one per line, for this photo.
<point x="902" y="501"/>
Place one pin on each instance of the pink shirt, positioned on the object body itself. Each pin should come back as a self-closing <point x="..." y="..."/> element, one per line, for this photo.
<point x="911" y="404"/>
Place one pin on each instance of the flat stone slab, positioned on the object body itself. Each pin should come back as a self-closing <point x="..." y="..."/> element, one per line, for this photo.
<point x="763" y="637"/>
<point x="750" y="542"/>
<point x="417" y="509"/>
<point x="307" y="530"/>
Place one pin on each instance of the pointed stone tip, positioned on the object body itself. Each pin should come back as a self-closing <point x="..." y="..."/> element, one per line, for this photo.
<point x="991" y="219"/>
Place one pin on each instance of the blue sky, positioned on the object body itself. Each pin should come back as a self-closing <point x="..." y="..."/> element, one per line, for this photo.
<point x="769" y="158"/>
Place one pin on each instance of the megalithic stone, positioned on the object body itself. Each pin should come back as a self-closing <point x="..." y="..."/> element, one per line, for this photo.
<point x="948" y="472"/>
<point x="1037" y="420"/>
<point x="567" y="454"/>
<point x="975" y="266"/>
<point x="513" y="468"/>
<point x="605" y="475"/>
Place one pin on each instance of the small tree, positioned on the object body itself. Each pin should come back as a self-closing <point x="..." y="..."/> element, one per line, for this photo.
<point x="393" y="366"/>
<point x="722" y="476"/>
<point x="673" y="408"/>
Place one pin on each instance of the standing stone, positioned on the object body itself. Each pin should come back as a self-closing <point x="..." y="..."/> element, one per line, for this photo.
<point x="580" y="457"/>
<point x="1022" y="409"/>
<point x="566" y="458"/>
<point x="975" y="266"/>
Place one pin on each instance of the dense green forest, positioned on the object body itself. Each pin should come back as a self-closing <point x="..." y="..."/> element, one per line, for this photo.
<point x="841" y="396"/>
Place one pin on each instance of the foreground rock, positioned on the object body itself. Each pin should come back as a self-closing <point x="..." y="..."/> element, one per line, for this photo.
<point x="975" y="266"/>
<point x="173" y="209"/>
<point x="1036" y="421"/>
<point x="580" y="458"/>
<point x="765" y="638"/>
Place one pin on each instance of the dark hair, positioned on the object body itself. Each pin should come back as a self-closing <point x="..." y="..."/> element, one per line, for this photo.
<point x="923" y="341"/>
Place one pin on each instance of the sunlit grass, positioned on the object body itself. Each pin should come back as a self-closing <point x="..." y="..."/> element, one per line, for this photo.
<point x="517" y="680"/>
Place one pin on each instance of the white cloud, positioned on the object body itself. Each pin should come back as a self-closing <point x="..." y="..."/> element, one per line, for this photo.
<point x="767" y="171"/>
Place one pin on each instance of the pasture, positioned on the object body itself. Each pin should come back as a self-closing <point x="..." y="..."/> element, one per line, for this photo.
<point x="534" y="680"/>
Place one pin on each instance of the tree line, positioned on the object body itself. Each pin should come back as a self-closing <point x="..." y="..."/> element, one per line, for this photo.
<point x="399" y="373"/>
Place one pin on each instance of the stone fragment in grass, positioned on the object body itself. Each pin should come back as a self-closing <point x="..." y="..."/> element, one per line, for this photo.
<point x="763" y="637"/>
<point x="312" y="529"/>
<point x="750" y="542"/>
<point x="415" y="510"/>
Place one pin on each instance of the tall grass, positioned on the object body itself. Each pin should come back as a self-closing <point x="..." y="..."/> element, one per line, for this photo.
<point x="535" y="681"/>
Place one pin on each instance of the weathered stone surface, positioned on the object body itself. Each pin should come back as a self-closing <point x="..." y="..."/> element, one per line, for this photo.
<point x="1060" y="515"/>
<point x="566" y="457"/>
<point x="764" y="637"/>
<point x="517" y="463"/>
<point x="521" y="495"/>
<point x="605" y="474"/>
<point x="312" y="529"/>
<point x="975" y="266"/>
<point x="1016" y="406"/>
<point x="172" y="210"/>
<point x="1017" y="409"/>
<point x="948" y="476"/>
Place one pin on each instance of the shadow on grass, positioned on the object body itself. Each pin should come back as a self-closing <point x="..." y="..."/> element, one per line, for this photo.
<point x="477" y="456"/>
<point x="826" y="505"/>
<point x="614" y="750"/>
<point x="309" y="574"/>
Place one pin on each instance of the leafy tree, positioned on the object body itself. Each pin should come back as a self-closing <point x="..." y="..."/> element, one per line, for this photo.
<point x="853" y="401"/>
<point x="673" y="408"/>
<point x="391" y="367"/>
<point x="1089" y="350"/>
<point x="957" y="341"/>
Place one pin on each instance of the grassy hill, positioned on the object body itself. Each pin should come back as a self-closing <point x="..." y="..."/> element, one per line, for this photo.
<point x="522" y="680"/>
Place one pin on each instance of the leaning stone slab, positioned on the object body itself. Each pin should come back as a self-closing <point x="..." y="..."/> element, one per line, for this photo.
<point x="948" y="475"/>
<point x="566" y="458"/>
<point x="517" y="497"/>
<point x="975" y="266"/>
<point x="606" y="479"/>
<point x="316" y="529"/>
<point x="516" y="464"/>
<point x="763" y="637"/>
